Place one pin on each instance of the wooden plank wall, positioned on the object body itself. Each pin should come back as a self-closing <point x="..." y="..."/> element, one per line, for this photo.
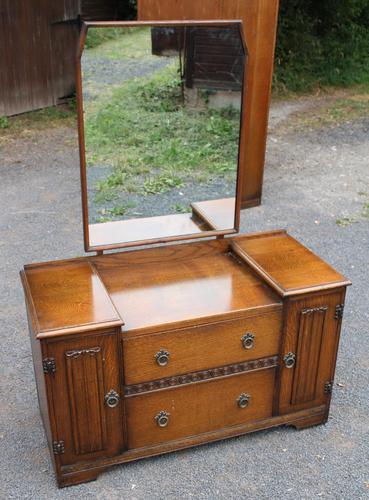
<point x="38" y="41"/>
<point x="102" y="10"/>
<point x="260" y="21"/>
<point x="36" y="69"/>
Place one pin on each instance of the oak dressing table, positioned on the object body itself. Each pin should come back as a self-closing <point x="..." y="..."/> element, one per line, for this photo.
<point x="144" y="351"/>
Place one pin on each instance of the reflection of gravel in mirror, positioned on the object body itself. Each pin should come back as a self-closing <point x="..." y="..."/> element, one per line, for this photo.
<point x="177" y="200"/>
<point x="99" y="72"/>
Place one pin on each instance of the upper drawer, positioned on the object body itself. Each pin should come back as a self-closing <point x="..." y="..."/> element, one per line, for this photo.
<point x="152" y="357"/>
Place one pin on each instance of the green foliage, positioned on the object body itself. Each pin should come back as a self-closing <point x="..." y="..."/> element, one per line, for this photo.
<point x="322" y="43"/>
<point x="98" y="36"/>
<point x="181" y="209"/>
<point x="4" y="122"/>
<point x="127" y="9"/>
<point x="161" y="184"/>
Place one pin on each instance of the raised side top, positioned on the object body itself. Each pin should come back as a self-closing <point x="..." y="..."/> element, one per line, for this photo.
<point x="285" y="264"/>
<point x="65" y="298"/>
<point x="218" y="214"/>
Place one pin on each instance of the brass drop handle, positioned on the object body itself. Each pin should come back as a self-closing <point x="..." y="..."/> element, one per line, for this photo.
<point x="248" y="341"/>
<point x="112" y="399"/>
<point x="289" y="360"/>
<point x="162" y="419"/>
<point x="243" y="400"/>
<point x="162" y="357"/>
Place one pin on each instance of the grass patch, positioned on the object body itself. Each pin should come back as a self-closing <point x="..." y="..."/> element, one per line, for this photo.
<point x="181" y="209"/>
<point x="26" y="124"/>
<point x="365" y="212"/>
<point x="161" y="184"/>
<point x="99" y="36"/>
<point x="117" y="210"/>
<point x="118" y="43"/>
<point x="105" y="194"/>
<point x="353" y="219"/>
<point x="4" y="122"/>
<point x="341" y="106"/>
<point x="346" y="221"/>
<point x="148" y="135"/>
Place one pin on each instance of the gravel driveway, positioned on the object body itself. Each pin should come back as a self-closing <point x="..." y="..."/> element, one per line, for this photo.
<point x="311" y="180"/>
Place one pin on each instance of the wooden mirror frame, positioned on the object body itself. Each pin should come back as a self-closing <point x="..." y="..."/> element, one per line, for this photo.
<point x="81" y="133"/>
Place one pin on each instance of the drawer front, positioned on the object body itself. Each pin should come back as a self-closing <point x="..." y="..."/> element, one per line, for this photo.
<point x="172" y="414"/>
<point x="152" y="357"/>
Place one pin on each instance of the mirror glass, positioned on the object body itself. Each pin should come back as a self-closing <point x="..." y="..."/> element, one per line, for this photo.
<point x="161" y="121"/>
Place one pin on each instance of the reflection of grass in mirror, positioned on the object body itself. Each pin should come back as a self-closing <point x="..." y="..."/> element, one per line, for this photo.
<point x="117" y="209"/>
<point x="118" y="43"/>
<point x="161" y="184"/>
<point x="105" y="194"/>
<point x="181" y="209"/>
<point x="149" y="137"/>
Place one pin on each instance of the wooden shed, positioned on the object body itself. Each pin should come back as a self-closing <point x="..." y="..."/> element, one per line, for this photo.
<point x="38" y="42"/>
<point x="213" y="57"/>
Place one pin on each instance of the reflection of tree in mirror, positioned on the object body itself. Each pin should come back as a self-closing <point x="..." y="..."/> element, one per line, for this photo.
<point x="148" y="147"/>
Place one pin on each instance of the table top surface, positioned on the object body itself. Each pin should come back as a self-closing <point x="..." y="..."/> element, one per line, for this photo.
<point x="173" y="286"/>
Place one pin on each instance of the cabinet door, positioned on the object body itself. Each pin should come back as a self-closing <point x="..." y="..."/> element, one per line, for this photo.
<point x="309" y="352"/>
<point x="88" y="424"/>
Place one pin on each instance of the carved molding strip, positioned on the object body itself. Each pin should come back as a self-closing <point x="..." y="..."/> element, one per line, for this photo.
<point x="314" y="310"/>
<point x="76" y="354"/>
<point x="188" y="378"/>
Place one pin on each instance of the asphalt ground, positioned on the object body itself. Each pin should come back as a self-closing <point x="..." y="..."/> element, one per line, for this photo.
<point x="312" y="179"/>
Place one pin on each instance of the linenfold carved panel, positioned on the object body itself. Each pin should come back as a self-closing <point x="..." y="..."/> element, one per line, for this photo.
<point x="85" y="376"/>
<point x="310" y="338"/>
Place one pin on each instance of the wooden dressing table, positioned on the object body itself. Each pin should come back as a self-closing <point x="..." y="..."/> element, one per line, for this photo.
<point x="143" y="352"/>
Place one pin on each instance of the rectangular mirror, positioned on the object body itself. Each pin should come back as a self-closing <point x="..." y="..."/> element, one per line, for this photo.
<point x="160" y="107"/>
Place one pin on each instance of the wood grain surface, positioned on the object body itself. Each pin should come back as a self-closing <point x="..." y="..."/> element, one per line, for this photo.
<point x="198" y="408"/>
<point x="68" y="296"/>
<point x="200" y="347"/>
<point x="288" y="266"/>
<point x="156" y="289"/>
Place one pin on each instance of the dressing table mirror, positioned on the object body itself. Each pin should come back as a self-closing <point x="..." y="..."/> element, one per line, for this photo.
<point x="160" y="132"/>
<point x="140" y="352"/>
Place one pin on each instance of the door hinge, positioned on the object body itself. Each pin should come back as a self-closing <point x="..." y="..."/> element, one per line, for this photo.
<point x="49" y="365"/>
<point x="58" y="447"/>
<point x="328" y="388"/>
<point x="339" y="311"/>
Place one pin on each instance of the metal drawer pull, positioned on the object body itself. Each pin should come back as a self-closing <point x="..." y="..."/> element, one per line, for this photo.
<point x="162" y="419"/>
<point x="289" y="360"/>
<point x="243" y="400"/>
<point x="162" y="357"/>
<point x="248" y="341"/>
<point x="112" y="399"/>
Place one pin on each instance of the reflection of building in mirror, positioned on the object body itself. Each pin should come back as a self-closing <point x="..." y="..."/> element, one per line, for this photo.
<point x="213" y="67"/>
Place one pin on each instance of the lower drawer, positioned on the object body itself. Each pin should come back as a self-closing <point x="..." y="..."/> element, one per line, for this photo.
<point x="172" y="414"/>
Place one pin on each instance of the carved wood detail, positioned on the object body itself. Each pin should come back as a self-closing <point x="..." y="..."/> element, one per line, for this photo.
<point x="85" y="376"/>
<point x="309" y="343"/>
<point x="199" y="376"/>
